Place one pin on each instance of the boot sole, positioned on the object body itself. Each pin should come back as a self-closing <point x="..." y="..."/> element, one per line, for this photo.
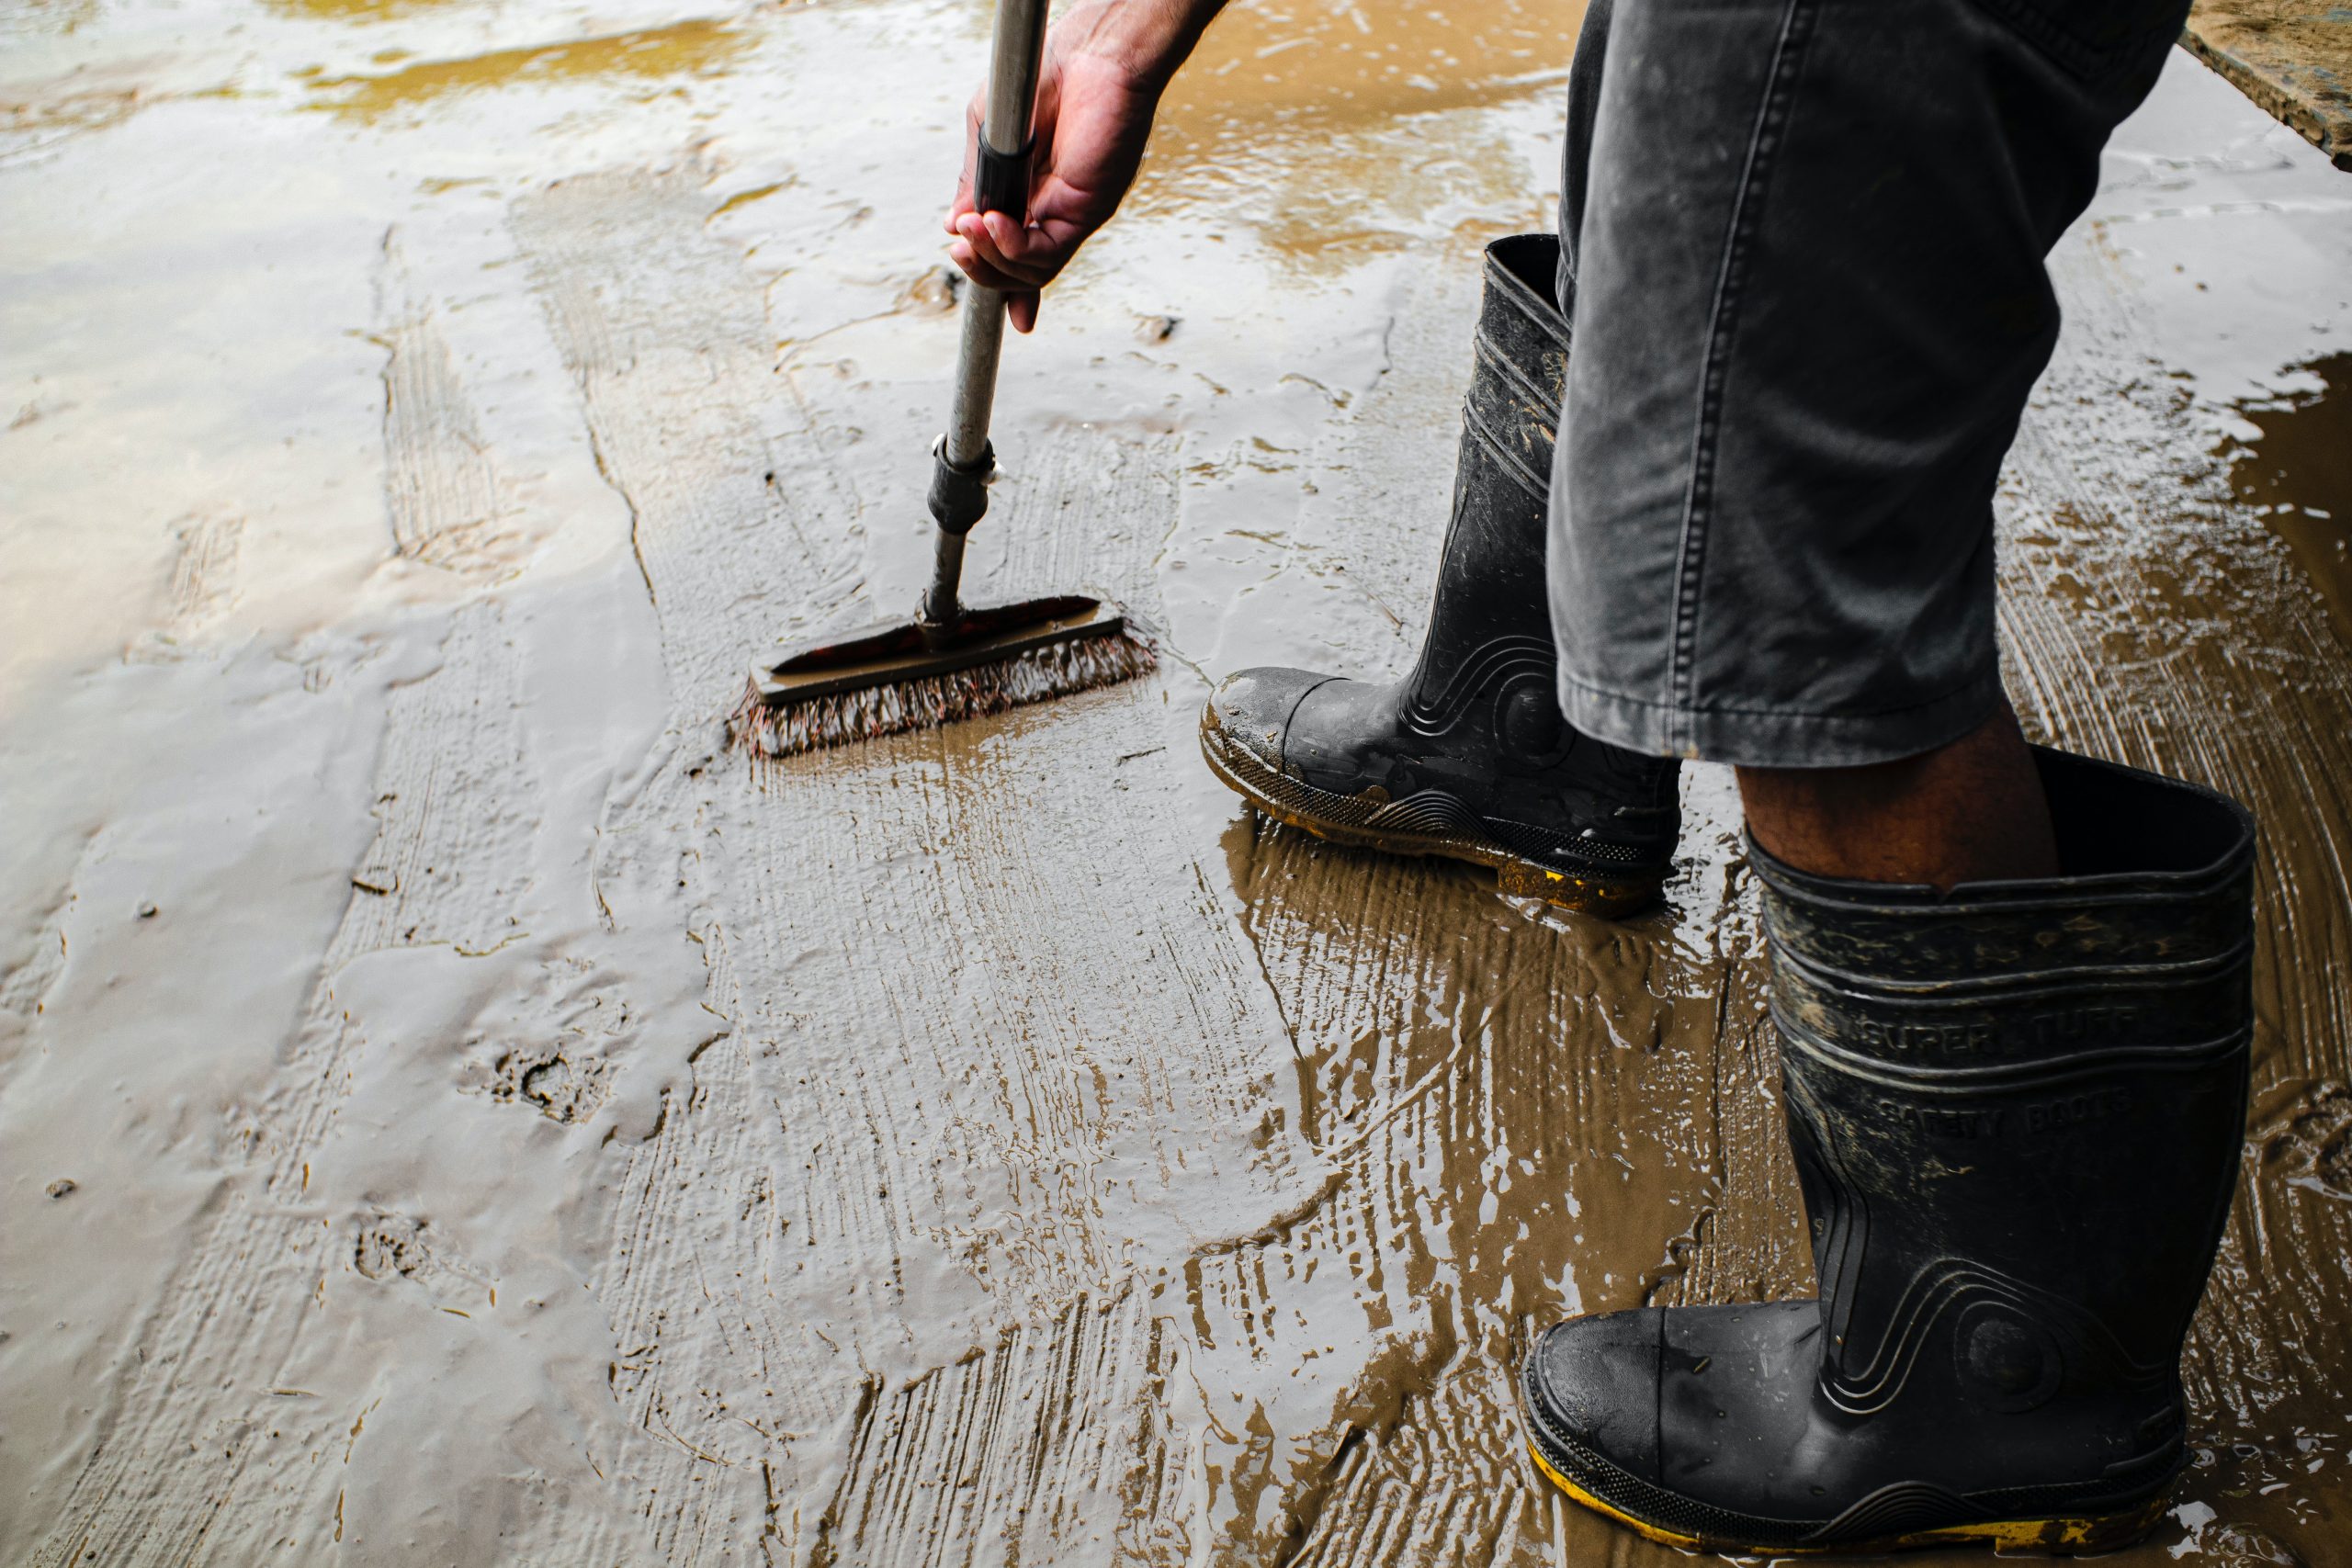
<point x="1593" y="891"/>
<point x="2058" y="1536"/>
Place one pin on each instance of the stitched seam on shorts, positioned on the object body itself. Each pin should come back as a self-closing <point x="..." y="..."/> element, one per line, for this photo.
<point x="1811" y="714"/>
<point x="1772" y="118"/>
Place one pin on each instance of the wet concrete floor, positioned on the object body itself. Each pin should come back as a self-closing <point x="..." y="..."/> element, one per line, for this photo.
<point x="453" y="1110"/>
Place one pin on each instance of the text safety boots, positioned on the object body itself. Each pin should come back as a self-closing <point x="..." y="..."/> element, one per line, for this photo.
<point x="2016" y="1110"/>
<point x="1467" y="756"/>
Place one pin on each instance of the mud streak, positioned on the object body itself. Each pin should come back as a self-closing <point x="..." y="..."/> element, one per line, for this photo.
<point x="926" y="1167"/>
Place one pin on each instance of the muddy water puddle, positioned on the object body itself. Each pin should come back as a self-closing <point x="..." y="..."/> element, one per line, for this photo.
<point x="522" y="1133"/>
<point x="649" y="55"/>
<point x="1335" y="128"/>
<point x="2297" y="476"/>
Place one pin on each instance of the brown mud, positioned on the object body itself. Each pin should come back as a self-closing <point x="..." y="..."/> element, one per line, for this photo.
<point x="2296" y="473"/>
<point x="453" y="1109"/>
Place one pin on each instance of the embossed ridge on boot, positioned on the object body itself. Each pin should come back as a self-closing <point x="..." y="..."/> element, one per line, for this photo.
<point x="1488" y="673"/>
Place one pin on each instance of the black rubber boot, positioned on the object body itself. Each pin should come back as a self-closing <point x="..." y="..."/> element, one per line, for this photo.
<point x="2016" y="1111"/>
<point x="1469" y="755"/>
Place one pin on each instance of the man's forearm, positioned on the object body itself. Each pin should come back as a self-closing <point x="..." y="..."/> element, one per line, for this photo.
<point x="1148" y="38"/>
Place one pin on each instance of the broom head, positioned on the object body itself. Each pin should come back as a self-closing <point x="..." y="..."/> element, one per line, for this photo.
<point x="910" y="675"/>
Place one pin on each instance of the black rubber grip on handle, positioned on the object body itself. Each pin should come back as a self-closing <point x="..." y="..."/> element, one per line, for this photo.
<point x="1000" y="180"/>
<point x="959" y="497"/>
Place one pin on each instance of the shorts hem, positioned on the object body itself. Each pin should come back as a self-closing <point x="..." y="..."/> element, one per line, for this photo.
<point x="1769" y="738"/>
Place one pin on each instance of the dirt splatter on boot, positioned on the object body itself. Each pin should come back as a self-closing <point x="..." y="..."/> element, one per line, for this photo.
<point x="2016" y="1110"/>
<point x="1468" y="756"/>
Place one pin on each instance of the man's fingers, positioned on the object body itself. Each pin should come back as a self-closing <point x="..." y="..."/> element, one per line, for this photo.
<point x="973" y="233"/>
<point x="1011" y="240"/>
<point x="1036" y="252"/>
<point x="986" y="236"/>
<point x="985" y="231"/>
<point x="978" y="269"/>
<point x="1020" y="300"/>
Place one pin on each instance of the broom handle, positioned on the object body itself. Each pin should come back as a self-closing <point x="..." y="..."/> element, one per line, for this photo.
<point x="963" y="460"/>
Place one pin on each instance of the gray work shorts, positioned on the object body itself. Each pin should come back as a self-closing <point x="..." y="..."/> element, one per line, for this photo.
<point x="1802" y="257"/>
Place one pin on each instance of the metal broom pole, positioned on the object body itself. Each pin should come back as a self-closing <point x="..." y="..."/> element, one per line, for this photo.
<point x="962" y="457"/>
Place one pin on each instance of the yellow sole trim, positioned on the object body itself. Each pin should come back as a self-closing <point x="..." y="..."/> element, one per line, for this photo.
<point x="2055" y="1536"/>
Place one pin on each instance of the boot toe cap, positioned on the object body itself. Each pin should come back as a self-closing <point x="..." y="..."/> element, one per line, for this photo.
<point x="1252" y="708"/>
<point x="1595" y="1380"/>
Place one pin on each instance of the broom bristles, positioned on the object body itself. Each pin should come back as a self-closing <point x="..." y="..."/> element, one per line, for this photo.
<point x="1037" y="675"/>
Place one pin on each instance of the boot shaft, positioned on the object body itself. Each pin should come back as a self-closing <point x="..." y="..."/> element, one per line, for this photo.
<point x="2017" y="1108"/>
<point x="1488" y="646"/>
<point x="1521" y="370"/>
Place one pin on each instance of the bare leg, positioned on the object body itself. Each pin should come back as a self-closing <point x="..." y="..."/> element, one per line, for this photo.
<point x="1971" y="811"/>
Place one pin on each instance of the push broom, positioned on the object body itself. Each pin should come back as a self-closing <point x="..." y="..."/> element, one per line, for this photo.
<point x="954" y="660"/>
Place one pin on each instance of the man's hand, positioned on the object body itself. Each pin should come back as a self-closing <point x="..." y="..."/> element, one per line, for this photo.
<point x="1106" y="66"/>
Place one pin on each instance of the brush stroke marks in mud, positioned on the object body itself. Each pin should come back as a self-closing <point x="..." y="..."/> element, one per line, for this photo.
<point x="906" y="1146"/>
<point x="203" y="586"/>
<point x="992" y="1144"/>
<point x="353" y="1166"/>
<point x="1528" y="1115"/>
<point x="441" y="487"/>
<point x="237" y="1307"/>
